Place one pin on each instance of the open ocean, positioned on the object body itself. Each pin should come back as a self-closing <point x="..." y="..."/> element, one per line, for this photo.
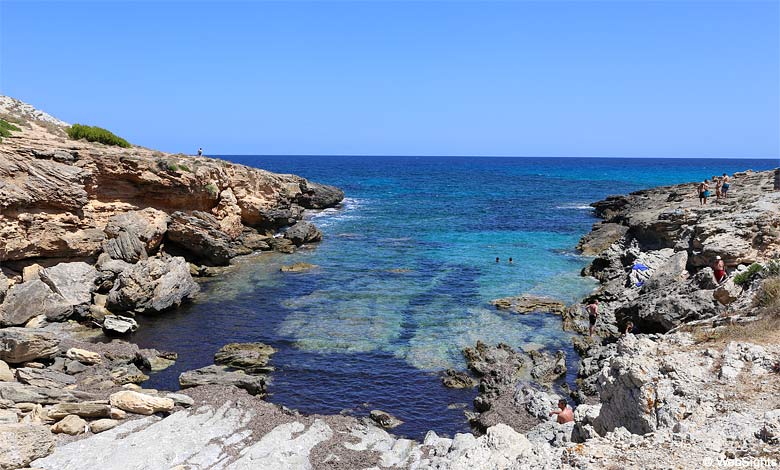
<point x="406" y="271"/>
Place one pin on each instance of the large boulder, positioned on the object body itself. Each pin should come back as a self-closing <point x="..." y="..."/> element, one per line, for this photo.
<point x="18" y="345"/>
<point x="84" y="410"/>
<point x="152" y="285"/>
<point x="303" y="232"/>
<point x="71" y="425"/>
<point x="146" y="226"/>
<point x="30" y="299"/>
<point x="218" y="375"/>
<point x="75" y="282"/>
<point x="119" y="325"/>
<point x="4" y="286"/>
<point x="201" y="234"/>
<point x="20" y="444"/>
<point x="601" y="237"/>
<point x="319" y="196"/>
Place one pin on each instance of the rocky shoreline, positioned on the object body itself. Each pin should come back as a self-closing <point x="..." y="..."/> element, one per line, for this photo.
<point x="94" y="235"/>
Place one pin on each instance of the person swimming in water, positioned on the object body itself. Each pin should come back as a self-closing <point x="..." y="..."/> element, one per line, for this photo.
<point x="497" y="260"/>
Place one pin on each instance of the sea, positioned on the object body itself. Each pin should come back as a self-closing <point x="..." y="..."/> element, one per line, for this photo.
<point x="404" y="277"/>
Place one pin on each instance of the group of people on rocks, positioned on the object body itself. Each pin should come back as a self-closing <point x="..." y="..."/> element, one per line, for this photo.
<point x="722" y="185"/>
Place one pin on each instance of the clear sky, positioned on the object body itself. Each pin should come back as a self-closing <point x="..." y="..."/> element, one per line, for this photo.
<point x="611" y="78"/>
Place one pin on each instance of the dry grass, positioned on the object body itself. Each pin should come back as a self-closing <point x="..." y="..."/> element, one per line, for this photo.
<point x="764" y="330"/>
<point x="768" y="295"/>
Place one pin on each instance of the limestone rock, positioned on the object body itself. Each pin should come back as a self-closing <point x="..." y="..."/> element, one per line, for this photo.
<point x="529" y="303"/>
<point x="216" y="375"/>
<point x="297" y="268"/>
<point x="22" y="393"/>
<point x="29" y="299"/>
<point x="127" y="374"/>
<point x="250" y="357"/>
<point x="70" y="424"/>
<point x="140" y="403"/>
<point x="43" y="377"/>
<point x="457" y="379"/>
<point x="84" y="410"/>
<point x="5" y="373"/>
<point x="101" y="425"/>
<point x="155" y="360"/>
<point x="20" y="444"/>
<point x="319" y="196"/>
<point x="134" y="234"/>
<point x="84" y="356"/>
<point x="18" y="345"/>
<point x="201" y="234"/>
<point x="601" y="237"/>
<point x="386" y="420"/>
<point x="303" y="232"/>
<point x="727" y="293"/>
<point x="75" y="282"/>
<point x="181" y="399"/>
<point x="770" y="432"/>
<point x="153" y="285"/>
<point x="117" y="324"/>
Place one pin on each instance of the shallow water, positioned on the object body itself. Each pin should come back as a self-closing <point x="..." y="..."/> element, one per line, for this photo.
<point x="406" y="270"/>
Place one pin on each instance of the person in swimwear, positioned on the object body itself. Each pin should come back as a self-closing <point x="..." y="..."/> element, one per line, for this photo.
<point x="719" y="269"/>
<point x="593" y="315"/>
<point x="704" y="192"/>
<point x="565" y="414"/>
<point x="724" y="190"/>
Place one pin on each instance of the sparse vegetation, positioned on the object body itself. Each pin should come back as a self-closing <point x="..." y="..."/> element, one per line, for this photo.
<point x="768" y="295"/>
<point x="212" y="189"/>
<point x="747" y="276"/>
<point x="6" y="128"/>
<point x="184" y="167"/>
<point x="96" y="134"/>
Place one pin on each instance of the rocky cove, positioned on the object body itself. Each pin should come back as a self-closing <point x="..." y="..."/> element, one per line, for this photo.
<point x="95" y="235"/>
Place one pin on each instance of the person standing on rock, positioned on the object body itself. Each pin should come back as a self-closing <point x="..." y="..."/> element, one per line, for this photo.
<point x="719" y="269"/>
<point x="704" y="192"/>
<point x="724" y="190"/>
<point x="718" y="185"/>
<point x="200" y="152"/>
<point x="593" y="315"/>
<point x="565" y="414"/>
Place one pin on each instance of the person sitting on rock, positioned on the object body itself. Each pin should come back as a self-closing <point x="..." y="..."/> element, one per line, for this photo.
<point x="565" y="414"/>
<point x="593" y="315"/>
<point x="719" y="269"/>
<point x="630" y="329"/>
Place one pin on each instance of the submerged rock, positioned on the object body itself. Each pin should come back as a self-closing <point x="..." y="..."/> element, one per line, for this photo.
<point x="457" y="379"/>
<point x="250" y="357"/>
<point x="297" y="268"/>
<point x="530" y="303"/>
<point x="219" y="375"/>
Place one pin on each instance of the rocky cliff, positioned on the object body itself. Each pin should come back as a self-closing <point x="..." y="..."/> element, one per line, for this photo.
<point x="131" y="217"/>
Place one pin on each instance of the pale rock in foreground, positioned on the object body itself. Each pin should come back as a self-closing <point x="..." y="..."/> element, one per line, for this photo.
<point x="140" y="403"/>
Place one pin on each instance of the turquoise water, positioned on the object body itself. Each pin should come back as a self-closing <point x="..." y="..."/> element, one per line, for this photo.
<point x="406" y="271"/>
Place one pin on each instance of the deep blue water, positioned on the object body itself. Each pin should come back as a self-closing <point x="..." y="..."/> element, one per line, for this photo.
<point x="406" y="270"/>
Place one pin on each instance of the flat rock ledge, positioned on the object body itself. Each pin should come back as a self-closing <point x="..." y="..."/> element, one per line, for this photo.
<point x="527" y="303"/>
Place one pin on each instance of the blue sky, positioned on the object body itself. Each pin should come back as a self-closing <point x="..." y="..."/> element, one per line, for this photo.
<point x="621" y="78"/>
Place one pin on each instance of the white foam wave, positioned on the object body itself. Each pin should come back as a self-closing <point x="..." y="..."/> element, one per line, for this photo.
<point x="577" y="206"/>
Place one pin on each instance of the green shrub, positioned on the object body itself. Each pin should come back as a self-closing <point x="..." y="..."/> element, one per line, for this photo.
<point x="6" y="128"/>
<point x="184" y="167"/>
<point x="746" y="276"/>
<point x="212" y="189"/>
<point x="96" y="134"/>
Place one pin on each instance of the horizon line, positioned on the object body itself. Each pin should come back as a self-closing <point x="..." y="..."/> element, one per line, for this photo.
<point x="483" y="156"/>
